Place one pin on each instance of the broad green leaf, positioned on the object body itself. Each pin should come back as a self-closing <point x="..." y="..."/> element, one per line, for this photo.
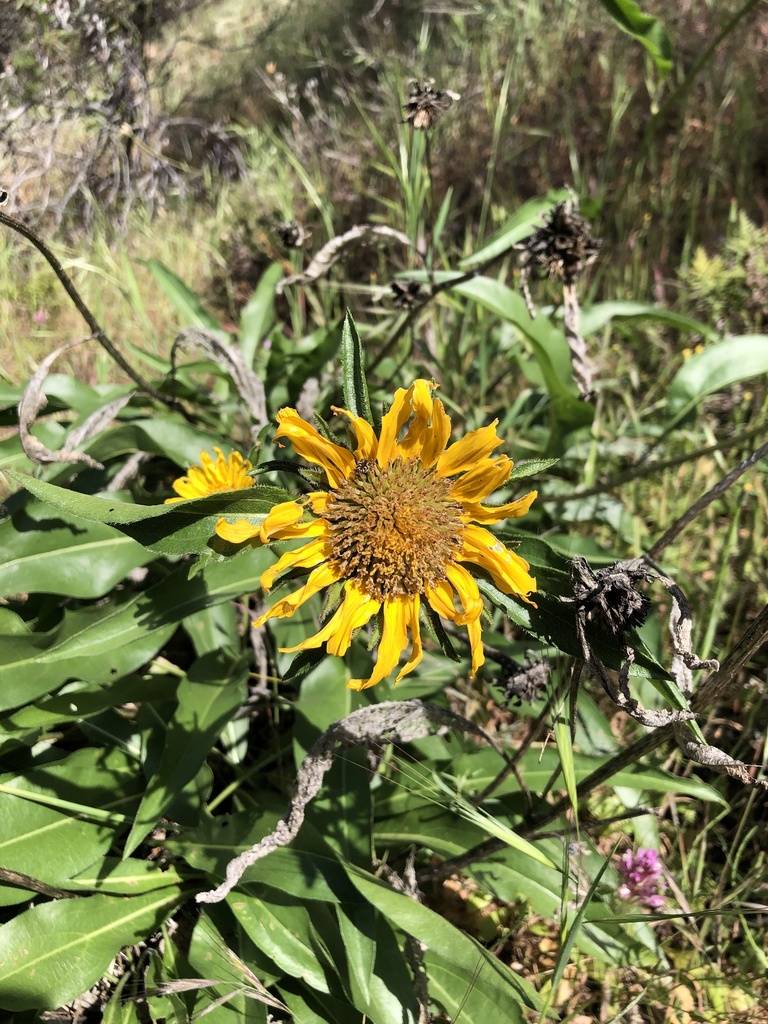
<point x="323" y="699"/>
<point x="284" y="931"/>
<point x="258" y="313"/>
<point x="191" y="311"/>
<point x="341" y="813"/>
<point x="353" y="382"/>
<point x="511" y="878"/>
<point x="645" y="29"/>
<point x="486" y="822"/>
<point x="530" y="467"/>
<point x="462" y="952"/>
<point x="51" y="554"/>
<point x="469" y="992"/>
<point x="55" y="951"/>
<point x="60" y="818"/>
<point x="716" y="368"/>
<point x="370" y="960"/>
<point x="478" y="768"/>
<point x="99" y="644"/>
<point x="241" y="973"/>
<point x="184" y="527"/>
<point x="211" y="693"/>
<point x="593" y="318"/>
<point x="125" y="877"/>
<point x="546" y="340"/>
<point x="177" y="440"/>
<point x="78" y="701"/>
<point x="313" y="1007"/>
<point x="403" y="819"/>
<point x="519" y="226"/>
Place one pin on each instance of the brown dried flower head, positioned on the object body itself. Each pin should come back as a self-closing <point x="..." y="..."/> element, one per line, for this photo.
<point x="525" y="683"/>
<point x="292" y="235"/>
<point x="426" y="105"/>
<point x="405" y="294"/>
<point x="562" y="247"/>
<point x="609" y="597"/>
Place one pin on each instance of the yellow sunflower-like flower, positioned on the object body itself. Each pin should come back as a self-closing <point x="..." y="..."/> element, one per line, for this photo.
<point x="400" y="519"/>
<point x="211" y="477"/>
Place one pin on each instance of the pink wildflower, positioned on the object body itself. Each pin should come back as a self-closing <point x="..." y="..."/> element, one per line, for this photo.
<point x="642" y="881"/>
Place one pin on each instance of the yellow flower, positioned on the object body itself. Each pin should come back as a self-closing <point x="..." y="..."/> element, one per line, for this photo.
<point x="222" y="475"/>
<point x="396" y="525"/>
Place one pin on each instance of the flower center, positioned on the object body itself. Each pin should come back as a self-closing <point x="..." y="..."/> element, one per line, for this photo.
<point x="394" y="530"/>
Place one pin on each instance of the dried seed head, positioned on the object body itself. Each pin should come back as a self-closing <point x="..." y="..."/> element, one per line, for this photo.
<point x="406" y="294"/>
<point x="609" y="597"/>
<point x="562" y="247"/>
<point x="426" y="105"/>
<point x="292" y="235"/>
<point x="525" y="682"/>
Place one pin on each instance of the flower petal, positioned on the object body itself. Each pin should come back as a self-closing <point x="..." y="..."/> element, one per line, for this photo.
<point x="436" y="435"/>
<point x="482" y="480"/>
<point x="441" y="596"/>
<point x="466" y="589"/>
<point x="421" y="404"/>
<point x="467" y="452"/>
<point x="476" y="645"/>
<point x="320" y="578"/>
<point x="367" y="442"/>
<point x="230" y="474"/>
<point x="338" y="462"/>
<point x="417" y="652"/>
<point x="394" y="639"/>
<point x="474" y="511"/>
<point x="354" y="612"/>
<point x="391" y="424"/>
<point x="305" y="557"/>
<point x="508" y="570"/>
<point x="239" y="532"/>
<point x="283" y="522"/>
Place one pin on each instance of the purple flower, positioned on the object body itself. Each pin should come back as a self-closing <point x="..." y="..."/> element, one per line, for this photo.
<point x="641" y="873"/>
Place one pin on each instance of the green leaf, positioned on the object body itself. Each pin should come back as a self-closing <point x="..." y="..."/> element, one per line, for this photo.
<point x="63" y="555"/>
<point x="258" y="313"/>
<point x="54" y="952"/>
<point x="285" y="932"/>
<point x="647" y="30"/>
<point x="79" y="701"/>
<point x="531" y="467"/>
<point x="125" y="877"/>
<point x="191" y="311"/>
<point x="519" y="226"/>
<point x="177" y="440"/>
<point x="469" y="992"/>
<point x="510" y="879"/>
<point x="716" y="368"/>
<point x="103" y="643"/>
<point x="593" y="318"/>
<point x="546" y="341"/>
<point x="307" y="875"/>
<point x="371" y="963"/>
<point x="482" y="766"/>
<point x="463" y="953"/>
<point x="211" y="693"/>
<point x="353" y="382"/>
<point x="404" y="818"/>
<point x="47" y="829"/>
<point x="184" y="527"/>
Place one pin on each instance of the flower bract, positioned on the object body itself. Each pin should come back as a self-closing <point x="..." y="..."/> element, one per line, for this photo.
<point x="230" y="474"/>
<point x="395" y="529"/>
